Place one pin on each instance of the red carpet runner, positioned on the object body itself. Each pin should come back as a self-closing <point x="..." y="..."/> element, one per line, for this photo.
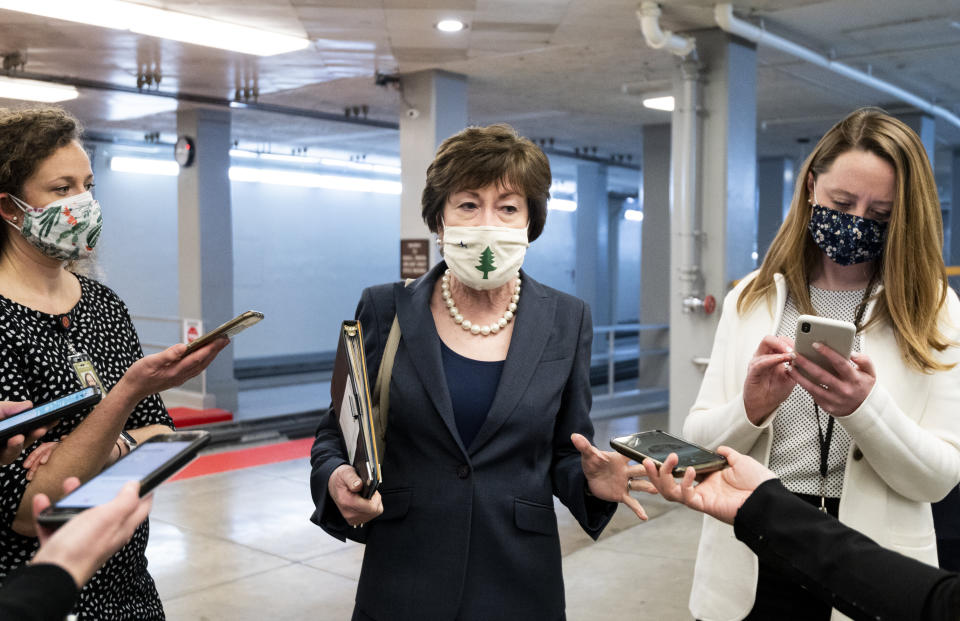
<point x="246" y="458"/>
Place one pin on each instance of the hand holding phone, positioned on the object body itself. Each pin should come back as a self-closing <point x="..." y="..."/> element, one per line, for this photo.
<point x="835" y="334"/>
<point x="50" y="411"/>
<point x="90" y="540"/>
<point x="837" y="379"/>
<point x="151" y="463"/>
<point x="657" y="445"/>
<point x="235" y="326"/>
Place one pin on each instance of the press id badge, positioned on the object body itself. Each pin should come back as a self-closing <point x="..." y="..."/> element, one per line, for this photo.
<point x="86" y="372"/>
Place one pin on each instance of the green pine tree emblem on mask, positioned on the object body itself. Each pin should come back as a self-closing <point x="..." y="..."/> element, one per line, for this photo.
<point x="486" y="262"/>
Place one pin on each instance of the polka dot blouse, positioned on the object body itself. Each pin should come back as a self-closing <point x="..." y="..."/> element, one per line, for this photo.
<point x="795" y="452"/>
<point x="33" y="365"/>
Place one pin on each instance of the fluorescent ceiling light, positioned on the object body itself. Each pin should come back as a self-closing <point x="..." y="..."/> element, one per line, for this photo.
<point x="450" y="25"/>
<point x="162" y="23"/>
<point x="33" y="90"/>
<point x="561" y="204"/>
<point x="659" y="103"/>
<point x="144" y="166"/>
<point x="634" y="215"/>
<point x="312" y="180"/>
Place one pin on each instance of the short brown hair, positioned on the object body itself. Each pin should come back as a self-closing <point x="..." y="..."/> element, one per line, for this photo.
<point x="479" y="156"/>
<point x="27" y="137"/>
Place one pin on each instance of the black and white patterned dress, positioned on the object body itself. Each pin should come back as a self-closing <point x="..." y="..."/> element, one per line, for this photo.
<point x="34" y="365"/>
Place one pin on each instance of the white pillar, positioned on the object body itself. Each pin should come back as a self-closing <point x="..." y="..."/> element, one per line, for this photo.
<point x="438" y="101"/>
<point x="205" y="234"/>
<point x="727" y="195"/>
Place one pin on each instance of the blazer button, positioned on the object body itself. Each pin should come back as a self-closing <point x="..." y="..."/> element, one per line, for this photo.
<point x="857" y="453"/>
<point x="463" y="471"/>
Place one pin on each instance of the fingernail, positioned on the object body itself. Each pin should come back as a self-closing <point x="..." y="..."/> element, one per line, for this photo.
<point x="793" y="355"/>
<point x="817" y="345"/>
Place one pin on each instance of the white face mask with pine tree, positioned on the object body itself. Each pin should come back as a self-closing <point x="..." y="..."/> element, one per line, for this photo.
<point x="484" y="257"/>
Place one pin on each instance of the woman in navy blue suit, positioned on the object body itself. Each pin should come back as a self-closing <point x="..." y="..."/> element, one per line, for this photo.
<point x="489" y="410"/>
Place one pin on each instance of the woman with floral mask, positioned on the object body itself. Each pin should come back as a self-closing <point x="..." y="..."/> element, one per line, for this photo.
<point x="876" y="439"/>
<point x="58" y="327"/>
<point x="489" y="410"/>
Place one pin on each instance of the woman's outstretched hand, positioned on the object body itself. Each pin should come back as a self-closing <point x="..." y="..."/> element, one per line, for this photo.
<point x="610" y="475"/>
<point x="170" y="368"/>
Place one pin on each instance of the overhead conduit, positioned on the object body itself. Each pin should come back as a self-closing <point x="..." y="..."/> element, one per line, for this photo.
<point x="723" y="15"/>
<point x="686" y="130"/>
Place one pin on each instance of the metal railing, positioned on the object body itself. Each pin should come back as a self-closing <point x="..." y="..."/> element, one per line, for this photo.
<point x="624" y="351"/>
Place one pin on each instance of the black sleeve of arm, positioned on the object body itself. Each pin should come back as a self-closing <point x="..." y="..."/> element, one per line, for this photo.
<point x="328" y="452"/>
<point x="37" y="593"/>
<point x="837" y="564"/>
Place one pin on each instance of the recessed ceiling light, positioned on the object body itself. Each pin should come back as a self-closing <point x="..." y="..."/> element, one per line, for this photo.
<point x="659" y="103"/>
<point x="161" y="23"/>
<point x="450" y="25"/>
<point x="33" y="90"/>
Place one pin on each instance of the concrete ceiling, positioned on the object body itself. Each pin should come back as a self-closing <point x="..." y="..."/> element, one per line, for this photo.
<point x="552" y="68"/>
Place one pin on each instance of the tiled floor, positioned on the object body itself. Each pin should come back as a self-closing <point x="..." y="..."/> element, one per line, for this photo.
<point x="238" y="545"/>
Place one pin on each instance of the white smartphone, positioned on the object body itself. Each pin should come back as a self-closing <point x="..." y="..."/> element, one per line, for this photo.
<point x="835" y="334"/>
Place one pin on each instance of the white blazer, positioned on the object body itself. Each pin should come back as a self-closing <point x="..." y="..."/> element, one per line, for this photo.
<point x="904" y="454"/>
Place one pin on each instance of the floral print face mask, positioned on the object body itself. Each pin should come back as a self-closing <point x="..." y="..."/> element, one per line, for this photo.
<point x="67" y="229"/>
<point x="845" y="238"/>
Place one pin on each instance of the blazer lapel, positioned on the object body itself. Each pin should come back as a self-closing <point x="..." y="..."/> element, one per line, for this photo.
<point x="423" y="343"/>
<point x="531" y="331"/>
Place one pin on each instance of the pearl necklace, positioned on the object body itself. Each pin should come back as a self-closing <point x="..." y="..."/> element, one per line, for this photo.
<point x="471" y="327"/>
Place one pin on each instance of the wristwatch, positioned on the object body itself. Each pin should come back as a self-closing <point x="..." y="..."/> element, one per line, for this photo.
<point x="129" y="440"/>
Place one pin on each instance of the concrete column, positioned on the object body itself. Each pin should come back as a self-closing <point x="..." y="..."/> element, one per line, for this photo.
<point x="727" y="195"/>
<point x="953" y="236"/>
<point x="592" y="268"/>
<point x="775" y="181"/>
<point x="439" y="110"/>
<point x="655" y="253"/>
<point x="925" y="126"/>
<point x="205" y="234"/>
<point x="614" y="217"/>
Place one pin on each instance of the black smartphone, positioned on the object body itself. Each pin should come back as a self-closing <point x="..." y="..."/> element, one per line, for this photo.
<point x="38" y="416"/>
<point x="235" y="326"/>
<point x="657" y="445"/>
<point x="151" y="463"/>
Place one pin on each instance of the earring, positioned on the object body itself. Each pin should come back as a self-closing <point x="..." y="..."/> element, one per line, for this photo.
<point x="439" y="243"/>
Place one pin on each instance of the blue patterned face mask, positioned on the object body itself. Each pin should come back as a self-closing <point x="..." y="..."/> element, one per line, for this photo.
<point x="845" y="238"/>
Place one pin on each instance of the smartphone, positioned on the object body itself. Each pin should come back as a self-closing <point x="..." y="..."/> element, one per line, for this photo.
<point x="151" y="463"/>
<point x="235" y="326"/>
<point x="835" y="334"/>
<point x="50" y="411"/>
<point x="657" y="445"/>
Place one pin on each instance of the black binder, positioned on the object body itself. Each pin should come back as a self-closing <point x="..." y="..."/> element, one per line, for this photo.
<point x="350" y="392"/>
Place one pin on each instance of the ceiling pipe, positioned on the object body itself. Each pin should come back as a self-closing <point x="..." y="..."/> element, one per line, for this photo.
<point x="723" y="14"/>
<point x="659" y="39"/>
<point x="685" y="156"/>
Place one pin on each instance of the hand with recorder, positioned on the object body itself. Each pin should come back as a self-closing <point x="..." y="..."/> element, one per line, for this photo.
<point x="834" y="563"/>
<point x="47" y="587"/>
<point x="13" y="446"/>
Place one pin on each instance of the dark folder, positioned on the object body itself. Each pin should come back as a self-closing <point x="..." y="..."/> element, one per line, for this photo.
<point x="350" y="392"/>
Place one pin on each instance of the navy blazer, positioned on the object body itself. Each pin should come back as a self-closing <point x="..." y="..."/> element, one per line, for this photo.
<point x="470" y="532"/>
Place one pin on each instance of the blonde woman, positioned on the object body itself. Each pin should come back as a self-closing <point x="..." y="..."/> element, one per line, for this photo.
<point x="878" y="439"/>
